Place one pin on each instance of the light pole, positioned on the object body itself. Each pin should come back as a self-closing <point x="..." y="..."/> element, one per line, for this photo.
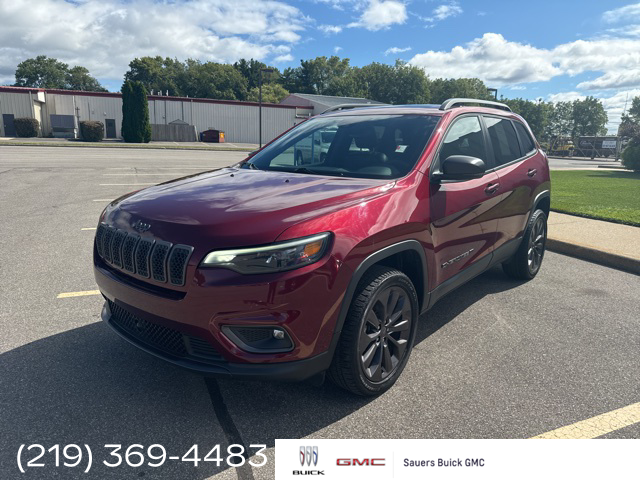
<point x="262" y="70"/>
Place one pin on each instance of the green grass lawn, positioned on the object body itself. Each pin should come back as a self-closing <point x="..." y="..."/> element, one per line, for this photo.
<point x="605" y="195"/>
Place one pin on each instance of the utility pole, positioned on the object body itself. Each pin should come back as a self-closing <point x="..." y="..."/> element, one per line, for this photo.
<point x="262" y="70"/>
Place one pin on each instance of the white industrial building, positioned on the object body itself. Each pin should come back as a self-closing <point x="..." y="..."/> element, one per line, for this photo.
<point x="54" y="109"/>
<point x="320" y="103"/>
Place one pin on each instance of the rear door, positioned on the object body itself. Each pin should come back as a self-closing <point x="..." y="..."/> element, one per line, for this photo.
<point x="462" y="225"/>
<point x="519" y="169"/>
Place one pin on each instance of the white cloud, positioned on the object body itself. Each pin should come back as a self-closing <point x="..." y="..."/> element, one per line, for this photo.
<point x="328" y="29"/>
<point x="105" y="35"/>
<point x="500" y="62"/>
<point x="622" y="14"/>
<point x="395" y="50"/>
<point x="381" y="14"/>
<point x="445" y="11"/>
<point x="492" y="59"/>
<point x="283" y="58"/>
<point x="336" y="49"/>
<point x="518" y="87"/>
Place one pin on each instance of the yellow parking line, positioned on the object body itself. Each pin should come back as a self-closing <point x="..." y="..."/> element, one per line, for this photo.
<point x="89" y="228"/>
<point x="78" y="294"/>
<point x="598" y="425"/>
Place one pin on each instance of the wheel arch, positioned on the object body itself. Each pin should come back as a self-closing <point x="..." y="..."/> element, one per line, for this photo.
<point x="407" y="256"/>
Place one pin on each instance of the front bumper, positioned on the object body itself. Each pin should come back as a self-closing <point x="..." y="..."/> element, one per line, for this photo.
<point x="212" y="364"/>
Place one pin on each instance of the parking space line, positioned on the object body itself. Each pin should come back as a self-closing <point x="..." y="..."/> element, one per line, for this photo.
<point x="121" y="174"/>
<point x="599" y="425"/>
<point x="88" y="228"/>
<point x="124" y="184"/>
<point x="78" y="294"/>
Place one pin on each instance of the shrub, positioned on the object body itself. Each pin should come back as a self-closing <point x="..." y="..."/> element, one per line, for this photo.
<point x="136" y="127"/>
<point x="631" y="156"/>
<point x="27" y="127"/>
<point x="92" y="131"/>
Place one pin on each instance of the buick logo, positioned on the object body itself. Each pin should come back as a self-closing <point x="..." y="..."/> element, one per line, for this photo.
<point x="308" y="455"/>
<point x="140" y="226"/>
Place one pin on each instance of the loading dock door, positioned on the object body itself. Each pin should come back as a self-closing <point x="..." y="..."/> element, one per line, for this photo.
<point x="9" y="127"/>
<point x="110" y="124"/>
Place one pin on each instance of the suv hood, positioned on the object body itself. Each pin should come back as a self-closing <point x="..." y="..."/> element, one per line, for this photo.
<point x="236" y="207"/>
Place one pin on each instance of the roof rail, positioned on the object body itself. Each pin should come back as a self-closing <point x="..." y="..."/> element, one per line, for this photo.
<point x="346" y="106"/>
<point x="455" y="102"/>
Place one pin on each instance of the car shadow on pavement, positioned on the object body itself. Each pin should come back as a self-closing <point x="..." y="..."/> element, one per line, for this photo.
<point x="265" y="411"/>
<point x="87" y="386"/>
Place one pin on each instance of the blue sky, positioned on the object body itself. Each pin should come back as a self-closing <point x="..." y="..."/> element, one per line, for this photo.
<point x="554" y="50"/>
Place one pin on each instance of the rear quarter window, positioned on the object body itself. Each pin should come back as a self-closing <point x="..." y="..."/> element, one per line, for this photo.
<point x="528" y="145"/>
<point x="503" y="140"/>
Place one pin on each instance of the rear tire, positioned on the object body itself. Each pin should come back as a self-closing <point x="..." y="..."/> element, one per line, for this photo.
<point x="525" y="263"/>
<point x="378" y="333"/>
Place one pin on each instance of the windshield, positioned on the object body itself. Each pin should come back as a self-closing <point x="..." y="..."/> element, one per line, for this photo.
<point x="363" y="146"/>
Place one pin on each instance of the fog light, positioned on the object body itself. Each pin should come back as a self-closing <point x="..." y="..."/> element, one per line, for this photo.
<point x="259" y="338"/>
<point x="278" y="334"/>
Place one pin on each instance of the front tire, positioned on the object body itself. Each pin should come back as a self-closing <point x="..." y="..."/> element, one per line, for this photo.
<point x="525" y="263"/>
<point x="378" y="333"/>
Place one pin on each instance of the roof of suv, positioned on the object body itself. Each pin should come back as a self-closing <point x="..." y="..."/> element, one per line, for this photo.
<point x="468" y="104"/>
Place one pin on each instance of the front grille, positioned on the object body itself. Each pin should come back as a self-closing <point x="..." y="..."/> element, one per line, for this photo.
<point x="143" y="256"/>
<point x="165" y="339"/>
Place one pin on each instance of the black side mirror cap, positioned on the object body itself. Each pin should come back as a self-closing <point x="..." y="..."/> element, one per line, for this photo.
<point x="460" y="167"/>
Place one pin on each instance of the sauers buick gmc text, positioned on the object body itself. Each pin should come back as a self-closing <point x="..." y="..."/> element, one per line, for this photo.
<point x="287" y="266"/>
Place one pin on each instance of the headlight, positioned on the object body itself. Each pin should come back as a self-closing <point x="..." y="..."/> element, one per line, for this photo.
<point x="272" y="258"/>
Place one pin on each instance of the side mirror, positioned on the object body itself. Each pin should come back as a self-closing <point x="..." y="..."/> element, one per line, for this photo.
<point x="251" y="154"/>
<point x="460" y="167"/>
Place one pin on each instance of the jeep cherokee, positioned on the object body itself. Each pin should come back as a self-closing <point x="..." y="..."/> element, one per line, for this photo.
<point x="286" y="266"/>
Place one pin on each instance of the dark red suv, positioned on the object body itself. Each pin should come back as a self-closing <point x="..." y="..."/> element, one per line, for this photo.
<point x="319" y="252"/>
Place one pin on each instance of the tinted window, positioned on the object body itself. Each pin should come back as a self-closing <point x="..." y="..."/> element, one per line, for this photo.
<point x="503" y="139"/>
<point x="366" y="146"/>
<point x="527" y="142"/>
<point x="464" y="138"/>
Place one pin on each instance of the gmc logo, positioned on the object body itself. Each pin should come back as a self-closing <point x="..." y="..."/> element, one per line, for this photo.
<point x="356" y="462"/>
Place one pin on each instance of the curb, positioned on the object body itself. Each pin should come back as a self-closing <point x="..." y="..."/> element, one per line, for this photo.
<point x="619" y="262"/>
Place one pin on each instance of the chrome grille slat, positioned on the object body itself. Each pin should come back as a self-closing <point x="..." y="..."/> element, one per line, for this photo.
<point x="128" y="252"/>
<point x="106" y="244"/>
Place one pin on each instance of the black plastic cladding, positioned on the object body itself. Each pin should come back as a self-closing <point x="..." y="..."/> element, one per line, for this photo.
<point x="145" y="257"/>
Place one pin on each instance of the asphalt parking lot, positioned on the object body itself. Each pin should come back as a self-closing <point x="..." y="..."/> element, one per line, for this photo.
<point x="495" y="359"/>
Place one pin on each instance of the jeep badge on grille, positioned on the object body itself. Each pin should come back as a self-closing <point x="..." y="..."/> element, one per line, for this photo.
<point x="140" y="226"/>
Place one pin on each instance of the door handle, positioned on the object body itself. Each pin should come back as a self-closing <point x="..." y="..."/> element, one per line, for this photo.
<point x="532" y="172"/>
<point x="491" y="188"/>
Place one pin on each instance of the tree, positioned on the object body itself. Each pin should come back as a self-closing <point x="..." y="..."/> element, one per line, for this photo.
<point x="157" y="74"/>
<point x="442" y="89"/>
<point x="397" y="84"/>
<point x="560" y="121"/>
<point x="141" y="113"/>
<point x="589" y="118"/>
<point x="535" y="113"/>
<point x="78" y="78"/>
<point x="214" y="80"/>
<point x="41" y="72"/>
<point x="127" y="117"/>
<point x="251" y="71"/>
<point x="634" y="110"/>
<point x="45" y="72"/>
<point x="136" y="127"/>
<point x="271" y="93"/>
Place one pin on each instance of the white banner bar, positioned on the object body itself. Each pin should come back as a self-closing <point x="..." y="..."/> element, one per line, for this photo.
<point x="457" y="459"/>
